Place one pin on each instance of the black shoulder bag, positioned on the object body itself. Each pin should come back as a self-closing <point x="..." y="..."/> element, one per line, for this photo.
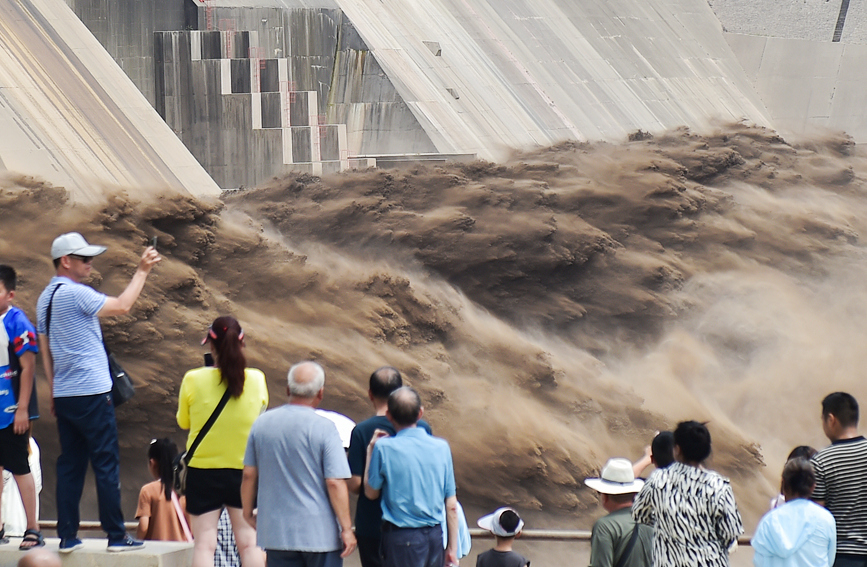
<point x="122" y="387"/>
<point x="180" y="465"/>
<point x="628" y="551"/>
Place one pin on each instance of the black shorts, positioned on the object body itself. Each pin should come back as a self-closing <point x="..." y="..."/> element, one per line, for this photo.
<point x="212" y="489"/>
<point x="14" y="455"/>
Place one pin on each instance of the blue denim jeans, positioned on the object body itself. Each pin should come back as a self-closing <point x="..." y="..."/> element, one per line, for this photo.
<point x="412" y="547"/>
<point x="88" y="431"/>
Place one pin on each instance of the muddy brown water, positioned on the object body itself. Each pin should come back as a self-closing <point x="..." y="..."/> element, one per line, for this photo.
<point x="554" y="310"/>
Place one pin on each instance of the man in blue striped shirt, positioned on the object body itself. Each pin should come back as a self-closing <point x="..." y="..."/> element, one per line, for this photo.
<point x="76" y="365"/>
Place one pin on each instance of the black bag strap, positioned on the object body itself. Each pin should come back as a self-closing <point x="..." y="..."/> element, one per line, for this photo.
<point x="48" y="311"/>
<point x="207" y="427"/>
<point x="628" y="551"/>
<point x="48" y="320"/>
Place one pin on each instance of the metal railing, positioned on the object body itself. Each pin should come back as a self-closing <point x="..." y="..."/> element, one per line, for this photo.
<point x="528" y="535"/>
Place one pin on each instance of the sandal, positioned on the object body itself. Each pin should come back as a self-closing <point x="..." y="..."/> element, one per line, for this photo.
<point x="32" y="538"/>
<point x="3" y="539"/>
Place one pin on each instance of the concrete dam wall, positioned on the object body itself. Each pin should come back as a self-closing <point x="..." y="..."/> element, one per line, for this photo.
<point x="805" y="59"/>
<point x="70" y="116"/>
<point x="432" y="77"/>
<point x="484" y="77"/>
<point x="255" y="88"/>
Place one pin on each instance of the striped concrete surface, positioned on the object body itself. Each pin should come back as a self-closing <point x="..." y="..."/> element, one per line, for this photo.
<point x="72" y="117"/>
<point x="484" y="76"/>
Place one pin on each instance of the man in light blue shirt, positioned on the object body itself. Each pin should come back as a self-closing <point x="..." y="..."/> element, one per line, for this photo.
<point x="295" y="468"/>
<point x="414" y="474"/>
<point x="800" y="533"/>
<point x="76" y="365"/>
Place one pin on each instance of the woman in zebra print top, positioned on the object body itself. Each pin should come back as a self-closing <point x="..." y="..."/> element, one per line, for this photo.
<point x="692" y="509"/>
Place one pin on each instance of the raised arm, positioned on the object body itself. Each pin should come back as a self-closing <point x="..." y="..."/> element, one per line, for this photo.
<point x="642" y="463"/>
<point x="121" y="304"/>
<point x="369" y="491"/>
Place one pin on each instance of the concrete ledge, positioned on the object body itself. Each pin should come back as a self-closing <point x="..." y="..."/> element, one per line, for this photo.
<point x="390" y="161"/>
<point x="94" y="554"/>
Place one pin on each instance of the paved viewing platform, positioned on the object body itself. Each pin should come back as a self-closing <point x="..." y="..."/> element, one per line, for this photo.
<point x="95" y="554"/>
<point x="561" y="545"/>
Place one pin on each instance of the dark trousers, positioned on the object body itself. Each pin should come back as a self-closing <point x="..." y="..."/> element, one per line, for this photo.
<point x="369" y="551"/>
<point x="845" y="560"/>
<point x="412" y="547"/>
<point x="88" y="431"/>
<point x="280" y="558"/>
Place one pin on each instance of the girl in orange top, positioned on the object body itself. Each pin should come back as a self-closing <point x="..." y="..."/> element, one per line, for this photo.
<point x="161" y="514"/>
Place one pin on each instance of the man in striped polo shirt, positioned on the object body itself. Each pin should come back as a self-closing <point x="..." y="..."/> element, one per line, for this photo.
<point x="76" y="366"/>
<point x="841" y="478"/>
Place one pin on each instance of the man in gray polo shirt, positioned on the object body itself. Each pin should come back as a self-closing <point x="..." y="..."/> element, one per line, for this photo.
<point x="295" y="469"/>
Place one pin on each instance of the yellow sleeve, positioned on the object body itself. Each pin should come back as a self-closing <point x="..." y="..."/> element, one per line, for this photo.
<point x="261" y="385"/>
<point x="183" y="416"/>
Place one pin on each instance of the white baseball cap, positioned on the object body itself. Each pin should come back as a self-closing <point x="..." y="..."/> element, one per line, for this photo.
<point x="617" y="478"/>
<point x="491" y="522"/>
<point x="74" y="243"/>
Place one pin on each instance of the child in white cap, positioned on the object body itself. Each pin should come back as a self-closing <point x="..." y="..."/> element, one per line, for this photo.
<point x="506" y="525"/>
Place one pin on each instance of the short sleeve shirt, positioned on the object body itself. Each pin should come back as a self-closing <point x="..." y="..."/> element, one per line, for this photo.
<point x="841" y="475"/>
<point x="494" y="558"/>
<point x="15" y="332"/>
<point x="368" y="513"/>
<point x="75" y="338"/>
<point x="295" y="451"/>
<point x="611" y="536"/>
<point x="415" y="473"/>
<point x="224" y="445"/>
<point x="163" y="521"/>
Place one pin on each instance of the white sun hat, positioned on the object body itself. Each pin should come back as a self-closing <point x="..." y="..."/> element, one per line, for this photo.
<point x="617" y="478"/>
<point x="343" y="424"/>
<point x="492" y="523"/>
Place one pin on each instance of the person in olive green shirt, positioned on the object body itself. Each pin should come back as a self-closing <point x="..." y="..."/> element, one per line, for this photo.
<point x="616" y="540"/>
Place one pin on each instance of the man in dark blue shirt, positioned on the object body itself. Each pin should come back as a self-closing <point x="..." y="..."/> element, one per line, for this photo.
<point x="368" y="513"/>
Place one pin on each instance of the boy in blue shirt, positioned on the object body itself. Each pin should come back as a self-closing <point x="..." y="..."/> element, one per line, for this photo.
<point x="18" y="350"/>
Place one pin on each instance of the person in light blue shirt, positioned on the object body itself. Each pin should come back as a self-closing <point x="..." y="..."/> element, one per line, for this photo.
<point x="800" y="533"/>
<point x="414" y="474"/>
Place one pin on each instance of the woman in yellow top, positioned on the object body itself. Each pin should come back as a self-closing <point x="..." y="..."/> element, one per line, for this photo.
<point x="214" y="477"/>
